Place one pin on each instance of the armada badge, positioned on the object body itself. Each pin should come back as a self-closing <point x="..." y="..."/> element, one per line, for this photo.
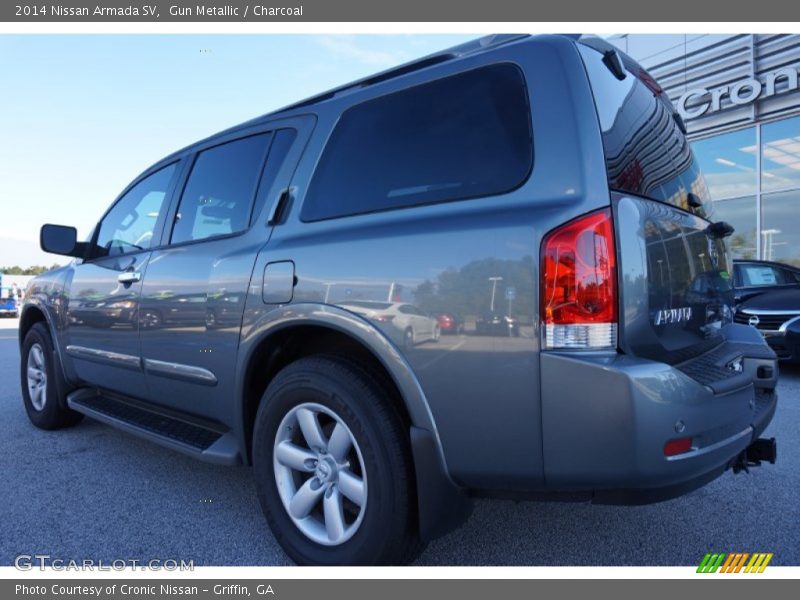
<point x="669" y="316"/>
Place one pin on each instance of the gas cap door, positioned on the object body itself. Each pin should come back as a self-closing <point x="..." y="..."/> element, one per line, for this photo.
<point x="279" y="281"/>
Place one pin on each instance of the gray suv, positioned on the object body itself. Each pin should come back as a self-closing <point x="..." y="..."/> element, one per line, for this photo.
<point x="269" y="296"/>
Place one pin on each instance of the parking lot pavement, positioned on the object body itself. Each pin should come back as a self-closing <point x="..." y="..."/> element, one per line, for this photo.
<point x="93" y="493"/>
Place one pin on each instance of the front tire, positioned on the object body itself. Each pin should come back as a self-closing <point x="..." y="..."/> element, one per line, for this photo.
<point x="43" y="385"/>
<point x="333" y="467"/>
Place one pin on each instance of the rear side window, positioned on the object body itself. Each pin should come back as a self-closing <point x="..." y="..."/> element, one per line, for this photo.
<point x="218" y="195"/>
<point x="279" y="149"/>
<point x="646" y="152"/>
<point x="459" y="137"/>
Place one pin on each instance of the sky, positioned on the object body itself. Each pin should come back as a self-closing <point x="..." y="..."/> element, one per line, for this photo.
<point x="82" y="115"/>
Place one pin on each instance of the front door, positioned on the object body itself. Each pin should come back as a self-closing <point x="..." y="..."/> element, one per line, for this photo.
<point x="102" y="311"/>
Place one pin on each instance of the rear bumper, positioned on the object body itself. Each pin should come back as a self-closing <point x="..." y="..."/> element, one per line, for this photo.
<point x="606" y="420"/>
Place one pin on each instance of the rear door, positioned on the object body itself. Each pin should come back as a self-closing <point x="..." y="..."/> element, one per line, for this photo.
<point x="194" y="293"/>
<point x="675" y="271"/>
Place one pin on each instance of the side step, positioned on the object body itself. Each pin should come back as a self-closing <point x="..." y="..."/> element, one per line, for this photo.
<point x="193" y="439"/>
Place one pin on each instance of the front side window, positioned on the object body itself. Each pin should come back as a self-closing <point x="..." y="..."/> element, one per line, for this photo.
<point x="463" y="136"/>
<point x="218" y="195"/>
<point x="129" y="226"/>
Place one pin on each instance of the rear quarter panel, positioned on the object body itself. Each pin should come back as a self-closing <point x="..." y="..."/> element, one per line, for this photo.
<point x="483" y="392"/>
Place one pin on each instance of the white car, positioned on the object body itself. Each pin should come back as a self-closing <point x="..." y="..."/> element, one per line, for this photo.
<point x="409" y="325"/>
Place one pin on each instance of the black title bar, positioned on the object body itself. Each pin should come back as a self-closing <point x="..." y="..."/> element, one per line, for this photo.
<point x="408" y="10"/>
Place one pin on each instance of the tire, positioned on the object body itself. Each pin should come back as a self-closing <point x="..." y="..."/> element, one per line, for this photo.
<point x="45" y="401"/>
<point x="437" y="333"/>
<point x="408" y="339"/>
<point x="382" y="529"/>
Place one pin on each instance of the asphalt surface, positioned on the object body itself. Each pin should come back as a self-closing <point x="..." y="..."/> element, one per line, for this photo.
<point x="91" y="492"/>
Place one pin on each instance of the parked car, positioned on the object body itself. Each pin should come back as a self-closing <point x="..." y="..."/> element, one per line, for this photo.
<point x="420" y="180"/>
<point x="409" y="325"/>
<point x="753" y="277"/>
<point x="776" y="315"/>
<point x="8" y="303"/>
<point x="497" y="324"/>
<point x="450" y="323"/>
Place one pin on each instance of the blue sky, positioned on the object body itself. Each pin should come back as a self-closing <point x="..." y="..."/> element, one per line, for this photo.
<point x="81" y="115"/>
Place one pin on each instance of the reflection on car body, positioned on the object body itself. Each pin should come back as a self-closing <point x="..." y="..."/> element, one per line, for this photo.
<point x="406" y="323"/>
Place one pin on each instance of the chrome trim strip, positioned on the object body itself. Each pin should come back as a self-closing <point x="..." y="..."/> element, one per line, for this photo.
<point x="788" y="313"/>
<point x="105" y="356"/>
<point x="693" y="453"/>
<point x="179" y="371"/>
<point x="782" y="328"/>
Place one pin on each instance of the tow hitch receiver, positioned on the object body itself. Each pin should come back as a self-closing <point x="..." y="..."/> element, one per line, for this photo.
<point x="762" y="450"/>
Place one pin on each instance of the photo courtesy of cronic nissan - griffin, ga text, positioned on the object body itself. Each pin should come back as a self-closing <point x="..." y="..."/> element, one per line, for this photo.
<point x="272" y="296"/>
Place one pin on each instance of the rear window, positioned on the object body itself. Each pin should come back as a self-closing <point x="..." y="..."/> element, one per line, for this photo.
<point x="455" y="138"/>
<point x="646" y="152"/>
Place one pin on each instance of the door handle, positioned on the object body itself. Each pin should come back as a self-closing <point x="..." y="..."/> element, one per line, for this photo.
<point x="276" y="212"/>
<point x="129" y="277"/>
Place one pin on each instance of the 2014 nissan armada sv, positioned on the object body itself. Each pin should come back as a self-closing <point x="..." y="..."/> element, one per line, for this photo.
<point x="269" y="296"/>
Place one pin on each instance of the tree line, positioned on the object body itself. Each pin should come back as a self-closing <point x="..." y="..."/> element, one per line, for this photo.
<point x="34" y="270"/>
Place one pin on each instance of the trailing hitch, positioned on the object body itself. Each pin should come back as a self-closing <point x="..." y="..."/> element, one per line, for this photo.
<point x="762" y="450"/>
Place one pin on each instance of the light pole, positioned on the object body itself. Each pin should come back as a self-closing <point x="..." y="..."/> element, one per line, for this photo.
<point x="494" y="281"/>
<point x="768" y="234"/>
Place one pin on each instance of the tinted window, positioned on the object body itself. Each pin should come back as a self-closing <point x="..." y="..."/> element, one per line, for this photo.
<point x="459" y="137"/>
<point x="219" y="193"/>
<point x="129" y="225"/>
<point x="791" y="276"/>
<point x="646" y="152"/>
<point x="281" y="143"/>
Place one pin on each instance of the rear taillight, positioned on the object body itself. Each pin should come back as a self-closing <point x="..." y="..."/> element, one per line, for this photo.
<point x="579" y="284"/>
<point x="384" y="318"/>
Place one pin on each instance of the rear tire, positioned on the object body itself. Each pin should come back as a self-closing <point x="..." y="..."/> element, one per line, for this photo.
<point x="408" y="339"/>
<point x="43" y="386"/>
<point x="379" y="525"/>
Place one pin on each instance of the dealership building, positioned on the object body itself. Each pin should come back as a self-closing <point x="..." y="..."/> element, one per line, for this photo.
<point x="740" y="100"/>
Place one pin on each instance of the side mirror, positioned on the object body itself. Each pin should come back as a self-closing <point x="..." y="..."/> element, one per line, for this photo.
<point x="60" y="239"/>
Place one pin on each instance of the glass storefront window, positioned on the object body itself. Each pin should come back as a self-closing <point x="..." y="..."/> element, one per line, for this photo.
<point x="780" y="227"/>
<point x="741" y="213"/>
<point x="780" y="155"/>
<point x="729" y="163"/>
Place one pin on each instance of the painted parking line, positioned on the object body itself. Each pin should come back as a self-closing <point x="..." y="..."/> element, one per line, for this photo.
<point x="436" y="359"/>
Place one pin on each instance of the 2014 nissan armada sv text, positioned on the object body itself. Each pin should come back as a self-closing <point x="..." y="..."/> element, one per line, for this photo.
<point x="271" y="296"/>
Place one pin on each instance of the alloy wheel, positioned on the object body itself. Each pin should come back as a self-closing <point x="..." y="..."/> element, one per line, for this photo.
<point x="320" y="474"/>
<point x="37" y="376"/>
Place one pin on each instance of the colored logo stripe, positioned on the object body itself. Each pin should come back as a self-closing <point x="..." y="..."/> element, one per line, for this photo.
<point x="734" y="562"/>
<point x="710" y="563"/>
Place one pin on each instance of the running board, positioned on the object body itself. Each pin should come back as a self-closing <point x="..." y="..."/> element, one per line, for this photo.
<point x="195" y="440"/>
